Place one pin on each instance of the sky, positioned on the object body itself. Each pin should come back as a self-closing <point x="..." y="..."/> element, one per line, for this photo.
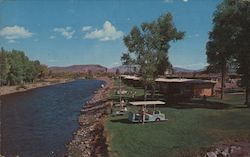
<point x="69" y="32"/>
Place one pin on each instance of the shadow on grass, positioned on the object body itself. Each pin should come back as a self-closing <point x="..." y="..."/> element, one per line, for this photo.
<point x="241" y="107"/>
<point x="127" y="98"/>
<point x="200" y="104"/>
<point x="126" y="121"/>
<point x="123" y="121"/>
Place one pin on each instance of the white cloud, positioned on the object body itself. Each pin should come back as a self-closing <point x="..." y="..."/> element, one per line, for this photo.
<point x="108" y="32"/>
<point x="12" y="33"/>
<point x="67" y="32"/>
<point x="86" y="28"/>
<point x="185" y="0"/>
<point x="52" y="37"/>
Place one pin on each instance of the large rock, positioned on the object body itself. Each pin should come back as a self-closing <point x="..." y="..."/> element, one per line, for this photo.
<point x="211" y="154"/>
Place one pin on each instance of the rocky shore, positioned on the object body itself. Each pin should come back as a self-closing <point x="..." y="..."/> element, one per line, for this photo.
<point x="89" y="139"/>
<point x="235" y="149"/>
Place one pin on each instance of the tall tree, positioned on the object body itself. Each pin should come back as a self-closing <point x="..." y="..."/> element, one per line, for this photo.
<point x="219" y="47"/>
<point x="4" y="66"/>
<point x="230" y="38"/>
<point x="16" y="73"/>
<point x="128" y="61"/>
<point x="44" y="71"/>
<point x="241" y="25"/>
<point x="148" y="47"/>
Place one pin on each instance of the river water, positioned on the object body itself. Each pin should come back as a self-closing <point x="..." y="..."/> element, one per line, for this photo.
<point x="40" y="122"/>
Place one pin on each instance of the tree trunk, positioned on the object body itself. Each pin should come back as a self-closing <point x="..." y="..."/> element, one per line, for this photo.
<point x="247" y="95"/>
<point x="153" y="92"/>
<point x="120" y="90"/>
<point x="222" y="81"/>
<point x="145" y="92"/>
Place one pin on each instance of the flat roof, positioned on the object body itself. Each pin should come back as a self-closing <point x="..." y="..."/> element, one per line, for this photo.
<point x="174" y="80"/>
<point x="184" y="80"/>
<point x="129" y="77"/>
<point x="140" y="103"/>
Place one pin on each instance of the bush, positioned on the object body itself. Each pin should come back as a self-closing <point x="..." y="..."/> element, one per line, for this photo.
<point x="21" y="86"/>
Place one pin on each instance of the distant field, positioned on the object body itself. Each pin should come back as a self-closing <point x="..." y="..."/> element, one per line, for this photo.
<point x="191" y="127"/>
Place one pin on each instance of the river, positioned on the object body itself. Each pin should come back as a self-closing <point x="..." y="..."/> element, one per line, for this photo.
<point x="40" y="122"/>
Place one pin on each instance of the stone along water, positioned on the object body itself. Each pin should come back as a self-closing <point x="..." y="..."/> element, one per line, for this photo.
<point x="39" y="122"/>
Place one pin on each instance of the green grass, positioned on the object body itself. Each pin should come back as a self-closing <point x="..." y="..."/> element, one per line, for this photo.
<point x="130" y="89"/>
<point x="189" y="129"/>
<point x="233" y="99"/>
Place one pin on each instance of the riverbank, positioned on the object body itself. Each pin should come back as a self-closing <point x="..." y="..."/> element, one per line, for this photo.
<point x="89" y="139"/>
<point x="4" y="90"/>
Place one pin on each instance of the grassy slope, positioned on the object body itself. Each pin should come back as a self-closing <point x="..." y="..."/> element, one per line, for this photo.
<point x="188" y="129"/>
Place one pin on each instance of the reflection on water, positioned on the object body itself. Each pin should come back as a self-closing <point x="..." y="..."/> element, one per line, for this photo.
<point x="39" y="122"/>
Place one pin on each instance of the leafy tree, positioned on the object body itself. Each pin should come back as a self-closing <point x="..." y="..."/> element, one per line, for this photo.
<point x="219" y="47"/>
<point x="16" y="73"/>
<point x="241" y="40"/>
<point x="32" y="70"/>
<point x="148" y="47"/>
<point x="44" y="71"/>
<point x="16" y="68"/>
<point x="230" y="38"/>
<point x="127" y="60"/>
<point x="4" y="66"/>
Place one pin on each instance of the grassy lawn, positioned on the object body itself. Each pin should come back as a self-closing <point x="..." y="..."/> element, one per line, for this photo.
<point x="191" y="127"/>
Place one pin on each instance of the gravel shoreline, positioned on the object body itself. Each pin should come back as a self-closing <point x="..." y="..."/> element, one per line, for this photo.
<point x="89" y="140"/>
<point x="4" y="90"/>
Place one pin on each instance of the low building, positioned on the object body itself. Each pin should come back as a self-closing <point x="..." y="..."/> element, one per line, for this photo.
<point x="186" y="87"/>
<point x="131" y="80"/>
<point x="177" y="87"/>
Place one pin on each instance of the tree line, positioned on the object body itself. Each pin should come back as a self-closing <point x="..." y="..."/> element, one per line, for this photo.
<point x="16" y="68"/>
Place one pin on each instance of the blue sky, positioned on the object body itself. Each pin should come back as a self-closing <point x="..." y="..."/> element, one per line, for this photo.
<point x="66" y="32"/>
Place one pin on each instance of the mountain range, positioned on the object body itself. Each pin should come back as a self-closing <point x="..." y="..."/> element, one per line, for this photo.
<point x="99" y="68"/>
<point x="183" y="70"/>
<point x="79" y="68"/>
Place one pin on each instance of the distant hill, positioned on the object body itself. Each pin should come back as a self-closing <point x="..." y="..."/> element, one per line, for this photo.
<point x="183" y="70"/>
<point x="98" y="68"/>
<point x="79" y="68"/>
<point x="127" y="69"/>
